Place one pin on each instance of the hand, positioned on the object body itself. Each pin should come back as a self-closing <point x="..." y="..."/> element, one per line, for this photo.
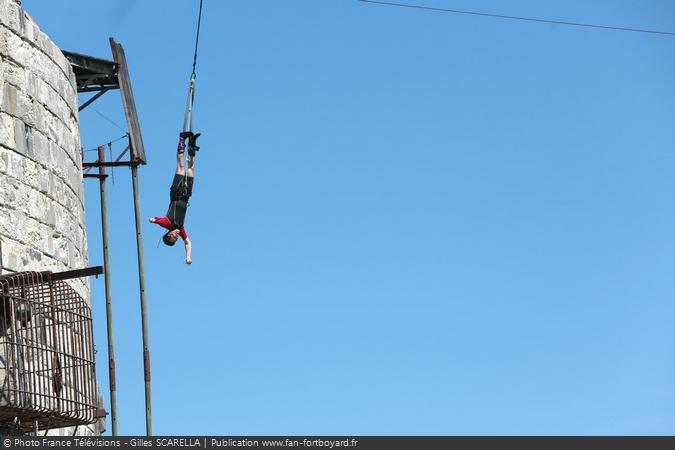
<point x="188" y="260"/>
<point x="152" y="220"/>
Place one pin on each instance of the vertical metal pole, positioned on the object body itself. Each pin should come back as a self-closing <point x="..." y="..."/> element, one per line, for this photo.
<point x="144" y="316"/>
<point x="108" y="295"/>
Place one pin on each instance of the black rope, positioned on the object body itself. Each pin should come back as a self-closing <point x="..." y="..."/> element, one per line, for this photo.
<point x="199" y="24"/>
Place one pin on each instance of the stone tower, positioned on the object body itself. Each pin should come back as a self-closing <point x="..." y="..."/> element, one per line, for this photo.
<point x="41" y="191"/>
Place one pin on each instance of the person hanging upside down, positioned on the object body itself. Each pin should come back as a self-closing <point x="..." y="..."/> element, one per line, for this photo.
<point x="179" y="194"/>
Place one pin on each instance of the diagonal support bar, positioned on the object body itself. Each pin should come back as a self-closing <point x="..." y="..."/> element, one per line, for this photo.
<point x="93" y="99"/>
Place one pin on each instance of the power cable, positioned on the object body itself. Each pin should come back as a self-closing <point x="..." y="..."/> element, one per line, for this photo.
<point x="106" y="118"/>
<point x="529" y="19"/>
<point x="125" y="135"/>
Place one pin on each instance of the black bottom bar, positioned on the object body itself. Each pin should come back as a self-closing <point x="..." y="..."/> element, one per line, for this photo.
<point x="349" y="442"/>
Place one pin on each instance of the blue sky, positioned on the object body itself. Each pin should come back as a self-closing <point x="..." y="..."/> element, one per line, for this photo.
<point x="404" y="222"/>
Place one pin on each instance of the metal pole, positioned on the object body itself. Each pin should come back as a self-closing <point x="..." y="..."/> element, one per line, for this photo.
<point x="108" y="295"/>
<point x="144" y="316"/>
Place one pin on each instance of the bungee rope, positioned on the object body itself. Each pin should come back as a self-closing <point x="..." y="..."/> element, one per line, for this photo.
<point x="189" y="103"/>
<point x="199" y="24"/>
<point x="187" y="122"/>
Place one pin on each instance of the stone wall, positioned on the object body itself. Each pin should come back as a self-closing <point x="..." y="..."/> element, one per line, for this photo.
<point x="41" y="191"/>
<point x="42" y="223"/>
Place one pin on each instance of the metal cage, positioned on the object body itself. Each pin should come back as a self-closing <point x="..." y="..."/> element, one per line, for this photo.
<point x="47" y="373"/>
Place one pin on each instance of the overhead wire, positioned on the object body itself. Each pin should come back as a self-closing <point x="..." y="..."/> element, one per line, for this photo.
<point x="509" y="17"/>
<point x="107" y="118"/>
<point x="93" y="149"/>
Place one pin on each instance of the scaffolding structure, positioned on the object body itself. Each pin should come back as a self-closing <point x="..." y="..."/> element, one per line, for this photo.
<point x="47" y="377"/>
<point x="98" y="76"/>
<point x="47" y="366"/>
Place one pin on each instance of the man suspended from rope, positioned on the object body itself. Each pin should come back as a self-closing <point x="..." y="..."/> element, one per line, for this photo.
<point x="179" y="195"/>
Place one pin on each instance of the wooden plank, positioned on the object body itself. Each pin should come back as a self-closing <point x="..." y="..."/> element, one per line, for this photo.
<point x="137" y="148"/>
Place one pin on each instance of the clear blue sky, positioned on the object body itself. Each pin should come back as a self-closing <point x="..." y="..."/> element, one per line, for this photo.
<point x="404" y="222"/>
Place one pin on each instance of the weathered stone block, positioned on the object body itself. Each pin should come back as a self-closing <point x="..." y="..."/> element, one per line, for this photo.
<point x="23" y="138"/>
<point x="4" y="160"/>
<point x="6" y="130"/>
<point x="40" y="115"/>
<point x="11" y="251"/>
<point x="14" y="48"/>
<point x="16" y="103"/>
<point x="19" y="143"/>
<point x="2" y="78"/>
<point x="31" y="175"/>
<point x="41" y="148"/>
<point x="28" y="26"/>
<point x="14" y="75"/>
<point x="9" y="15"/>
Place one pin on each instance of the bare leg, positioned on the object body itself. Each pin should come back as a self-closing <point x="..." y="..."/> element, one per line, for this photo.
<point x="180" y="165"/>
<point x="191" y="166"/>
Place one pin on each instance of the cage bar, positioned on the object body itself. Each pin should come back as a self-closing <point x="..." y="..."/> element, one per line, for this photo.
<point x="47" y="369"/>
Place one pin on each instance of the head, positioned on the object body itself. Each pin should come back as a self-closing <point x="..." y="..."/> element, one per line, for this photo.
<point x="170" y="237"/>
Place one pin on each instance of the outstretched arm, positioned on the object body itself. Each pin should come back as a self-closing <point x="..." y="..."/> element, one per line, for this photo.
<point x="188" y="251"/>
<point x="161" y="221"/>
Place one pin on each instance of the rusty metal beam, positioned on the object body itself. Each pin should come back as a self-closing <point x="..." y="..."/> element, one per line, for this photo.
<point x="144" y="313"/>
<point x="88" y="168"/>
<point x="67" y="275"/>
<point x="79" y="273"/>
<point x="110" y="164"/>
<point x="93" y="74"/>
<point x="108" y="294"/>
<point x="137" y="148"/>
<point x="93" y="99"/>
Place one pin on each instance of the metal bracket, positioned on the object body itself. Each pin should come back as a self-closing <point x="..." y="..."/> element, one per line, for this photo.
<point x="88" y="272"/>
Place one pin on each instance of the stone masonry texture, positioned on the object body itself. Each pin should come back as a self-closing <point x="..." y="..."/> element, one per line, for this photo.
<point x="42" y="224"/>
